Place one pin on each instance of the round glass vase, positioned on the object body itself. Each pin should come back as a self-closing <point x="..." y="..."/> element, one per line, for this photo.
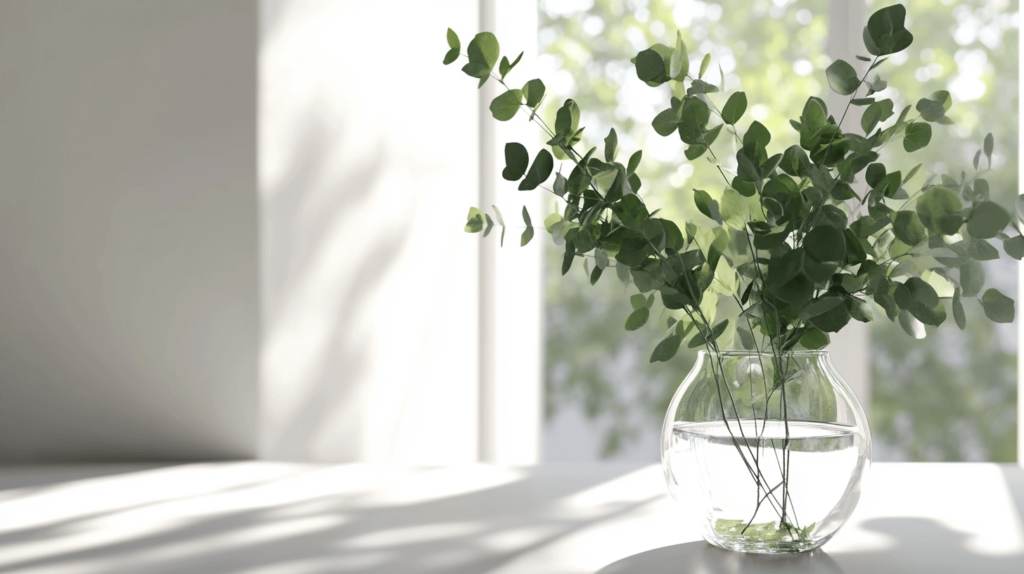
<point x="768" y="453"/>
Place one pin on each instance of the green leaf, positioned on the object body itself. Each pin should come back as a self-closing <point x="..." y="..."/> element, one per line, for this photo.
<point x="734" y="108"/>
<point x="758" y="134"/>
<point x="814" y="339"/>
<point x="650" y="67"/>
<point x="679" y="65"/>
<point x="875" y="113"/>
<point x="908" y="227"/>
<point x="637" y="301"/>
<point x="666" y="349"/>
<point x="540" y="171"/>
<point x="666" y="122"/>
<point x="930" y="110"/>
<point x="706" y="205"/>
<point x="982" y="250"/>
<point x="704" y="65"/>
<point x="922" y="292"/>
<point x="989" y="145"/>
<point x="569" y="257"/>
<point x="528" y="234"/>
<point x="517" y="159"/>
<point x="987" y="220"/>
<point x="917" y="137"/>
<point x="716" y="332"/>
<point x="842" y="78"/>
<point x="998" y="307"/>
<point x="1014" y="247"/>
<point x="490" y="225"/>
<point x="595" y="275"/>
<point x="474" y="221"/>
<point x="505" y="67"/>
<point x="972" y="278"/>
<point x="567" y="119"/>
<point x="958" y="311"/>
<point x="483" y="54"/>
<point x="505" y="106"/>
<point x="611" y="144"/>
<point x="833" y="320"/>
<point x="934" y="204"/>
<point x="634" y="161"/>
<point x="825" y="243"/>
<point x="885" y="33"/>
<point x="534" y="93"/>
<point x="454" y="45"/>
<point x="637" y="318"/>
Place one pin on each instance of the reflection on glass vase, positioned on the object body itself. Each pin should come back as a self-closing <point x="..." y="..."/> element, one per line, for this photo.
<point x="769" y="452"/>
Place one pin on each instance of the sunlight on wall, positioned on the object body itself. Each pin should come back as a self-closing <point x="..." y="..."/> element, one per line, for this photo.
<point x="369" y="284"/>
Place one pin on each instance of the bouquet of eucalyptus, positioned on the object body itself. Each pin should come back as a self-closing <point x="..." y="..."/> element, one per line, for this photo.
<point x="803" y="240"/>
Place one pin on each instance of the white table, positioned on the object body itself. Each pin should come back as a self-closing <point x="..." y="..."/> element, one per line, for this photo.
<point x="276" y="518"/>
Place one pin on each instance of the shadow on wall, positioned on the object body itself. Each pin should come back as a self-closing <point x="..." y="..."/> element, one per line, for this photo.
<point x="323" y="265"/>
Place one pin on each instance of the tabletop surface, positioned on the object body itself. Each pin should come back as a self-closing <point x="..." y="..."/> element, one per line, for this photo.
<point x="280" y="518"/>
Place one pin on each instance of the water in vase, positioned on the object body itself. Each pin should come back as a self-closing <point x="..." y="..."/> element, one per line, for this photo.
<point x="767" y="485"/>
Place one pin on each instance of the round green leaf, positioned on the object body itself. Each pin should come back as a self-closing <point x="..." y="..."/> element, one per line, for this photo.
<point x="814" y="339"/>
<point x="833" y="320"/>
<point x="637" y="318"/>
<point x="483" y="52"/>
<point x="922" y="292"/>
<point x="454" y="47"/>
<point x="1014" y="247"/>
<point x="734" y="108"/>
<point x="516" y="161"/>
<point x="842" y="78"/>
<point x="505" y="106"/>
<point x="539" y="171"/>
<point x="972" y="278"/>
<point x="534" y="93"/>
<point x="987" y="220"/>
<point x="908" y="227"/>
<point x="917" y="137"/>
<point x="825" y="243"/>
<point x="666" y="349"/>
<point x="666" y="122"/>
<point x="650" y="66"/>
<point x="998" y="307"/>
<point x="935" y="203"/>
<point x="885" y="33"/>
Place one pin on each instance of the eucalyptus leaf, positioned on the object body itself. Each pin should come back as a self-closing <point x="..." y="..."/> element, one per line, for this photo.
<point x="637" y="318"/>
<point x="917" y="137"/>
<point x="454" y="47"/>
<point x="679" y="65"/>
<point x="540" y="171"/>
<point x="666" y="349"/>
<point x="734" y="108"/>
<point x="998" y="307"/>
<point x="842" y="77"/>
<point x="533" y="91"/>
<point x="505" y="106"/>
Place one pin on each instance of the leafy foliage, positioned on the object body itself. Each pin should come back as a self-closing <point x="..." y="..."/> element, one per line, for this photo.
<point x="787" y="232"/>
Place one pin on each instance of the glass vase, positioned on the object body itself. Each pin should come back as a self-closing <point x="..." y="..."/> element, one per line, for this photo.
<point x="767" y="452"/>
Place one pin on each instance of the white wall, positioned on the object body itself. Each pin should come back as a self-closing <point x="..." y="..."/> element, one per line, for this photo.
<point x="368" y="164"/>
<point x="128" y="229"/>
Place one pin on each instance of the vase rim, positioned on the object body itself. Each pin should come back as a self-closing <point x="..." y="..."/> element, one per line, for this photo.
<point x="745" y="353"/>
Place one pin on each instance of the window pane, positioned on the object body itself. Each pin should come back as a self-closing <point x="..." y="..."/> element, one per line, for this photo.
<point x="603" y="398"/>
<point x="953" y="395"/>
